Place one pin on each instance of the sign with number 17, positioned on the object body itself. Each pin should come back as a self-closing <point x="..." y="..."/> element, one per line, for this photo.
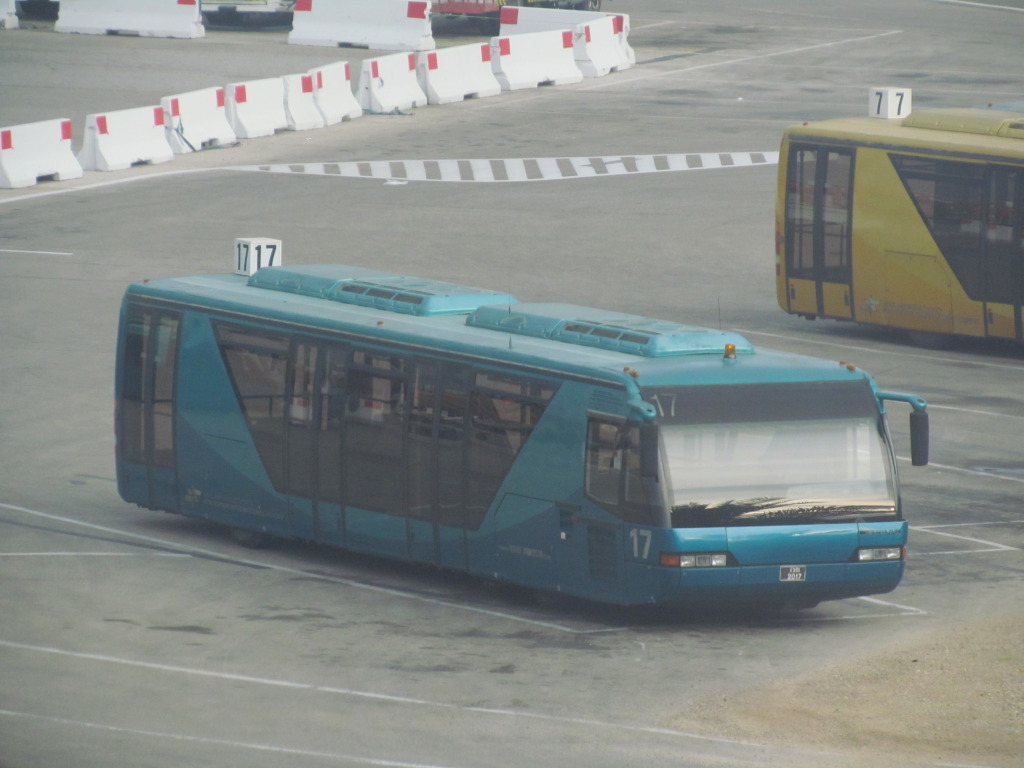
<point x="253" y="253"/>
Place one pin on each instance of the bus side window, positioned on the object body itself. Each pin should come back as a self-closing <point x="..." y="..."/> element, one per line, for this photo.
<point x="503" y="410"/>
<point x="374" y="432"/>
<point x="948" y="195"/>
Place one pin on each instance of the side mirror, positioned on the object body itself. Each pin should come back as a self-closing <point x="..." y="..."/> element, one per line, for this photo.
<point x="918" y="425"/>
<point x="919" y="438"/>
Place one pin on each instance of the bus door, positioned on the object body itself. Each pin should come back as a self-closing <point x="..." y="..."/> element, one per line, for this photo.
<point x="147" y="462"/>
<point x="601" y="548"/>
<point x="330" y="399"/>
<point x="301" y="439"/>
<point x="1003" y="253"/>
<point x="435" y="460"/>
<point x="819" y="212"/>
<point x="373" y="447"/>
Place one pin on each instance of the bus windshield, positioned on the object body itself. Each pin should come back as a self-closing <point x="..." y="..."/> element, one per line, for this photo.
<point x="775" y="454"/>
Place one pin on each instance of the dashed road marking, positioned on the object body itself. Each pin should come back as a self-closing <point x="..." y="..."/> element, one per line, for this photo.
<point x="521" y="169"/>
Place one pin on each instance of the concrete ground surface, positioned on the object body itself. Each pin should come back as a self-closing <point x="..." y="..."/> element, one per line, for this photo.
<point x="133" y="638"/>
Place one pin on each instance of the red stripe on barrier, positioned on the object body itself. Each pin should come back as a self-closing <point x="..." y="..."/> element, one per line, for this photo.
<point x="307" y="83"/>
<point x="175" y="108"/>
<point x="186" y="2"/>
<point x="431" y="61"/>
<point x="240" y="97"/>
<point x="348" y="71"/>
<point x="220" y="98"/>
<point x="504" y="46"/>
<point x="319" y="79"/>
<point x="509" y="15"/>
<point x="158" y="116"/>
<point x="485" y="52"/>
<point x="65" y="130"/>
<point x="586" y="30"/>
<point x="412" y="62"/>
<point x="101" y="125"/>
<point x="619" y="25"/>
<point x="417" y="10"/>
<point x="6" y="140"/>
<point x="374" y="69"/>
<point x="303" y="5"/>
<point x="567" y="39"/>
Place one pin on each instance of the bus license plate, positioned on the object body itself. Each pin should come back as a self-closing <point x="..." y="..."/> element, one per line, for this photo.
<point x="792" y="573"/>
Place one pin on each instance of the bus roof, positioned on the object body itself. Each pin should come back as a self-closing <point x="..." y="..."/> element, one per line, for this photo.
<point x="969" y="130"/>
<point x="617" y="348"/>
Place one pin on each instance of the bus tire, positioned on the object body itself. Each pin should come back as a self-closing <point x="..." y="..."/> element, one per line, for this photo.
<point x="248" y="539"/>
<point x="929" y="339"/>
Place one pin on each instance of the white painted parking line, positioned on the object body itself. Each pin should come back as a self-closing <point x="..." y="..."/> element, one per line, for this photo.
<point x="977" y="412"/>
<point x="899" y="610"/>
<point x="352" y="692"/>
<point x="394" y="592"/>
<point x="92" y="554"/>
<point x="986" y="6"/>
<point x="181" y="737"/>
<point x="896" y="610"/>
<point x="983" y="545"/>
<point x="631" y="76"/>
<point x="36" y="253"/>
<point x="901" y="353"/>
<point x="976" y="472"/>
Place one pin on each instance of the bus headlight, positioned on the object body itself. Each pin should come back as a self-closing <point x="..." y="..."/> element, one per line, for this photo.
<point x="875" y="554"/>
<point x="694" y="559"/>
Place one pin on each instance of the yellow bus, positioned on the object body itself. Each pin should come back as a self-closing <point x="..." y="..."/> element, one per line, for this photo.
<point x="912" y="223"/>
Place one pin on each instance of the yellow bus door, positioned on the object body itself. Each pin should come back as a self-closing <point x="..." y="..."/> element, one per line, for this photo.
<point x="818" y="219"/>
<point x="1003" y="254"/>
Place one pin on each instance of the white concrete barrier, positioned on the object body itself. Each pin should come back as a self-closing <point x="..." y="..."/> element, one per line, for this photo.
<point x="335" y="99"/>
<point x="520" y="21"/>
<point x="197" y="120"/>
<point x="300" y="103"/>
<point x="457" y="73"/>
<point x="387" y="25"/>
<point x="36" y="150"/>
<point x="256" y="108"/>
<point x="598" y="49"/>
<point x="388" y="84"/>
<point x="8" y="14"/>
<point x="533" y="59"/>
<point x="118" y="140"/>
<point x="145" y="18"/>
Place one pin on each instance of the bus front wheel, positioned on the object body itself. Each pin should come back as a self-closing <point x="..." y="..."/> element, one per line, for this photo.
<point x="247" y="538"/>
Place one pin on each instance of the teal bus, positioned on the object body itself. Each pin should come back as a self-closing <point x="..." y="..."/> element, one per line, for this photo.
<point x="603" y="455"/>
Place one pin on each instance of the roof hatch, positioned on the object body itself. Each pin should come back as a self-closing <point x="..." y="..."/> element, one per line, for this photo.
<point x="382" y="290"/>
<point x="629" y="334"/>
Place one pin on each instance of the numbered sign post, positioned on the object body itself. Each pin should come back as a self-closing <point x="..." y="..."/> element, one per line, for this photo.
<point x="888" y="101"/>
<point x="252" y="253"/>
